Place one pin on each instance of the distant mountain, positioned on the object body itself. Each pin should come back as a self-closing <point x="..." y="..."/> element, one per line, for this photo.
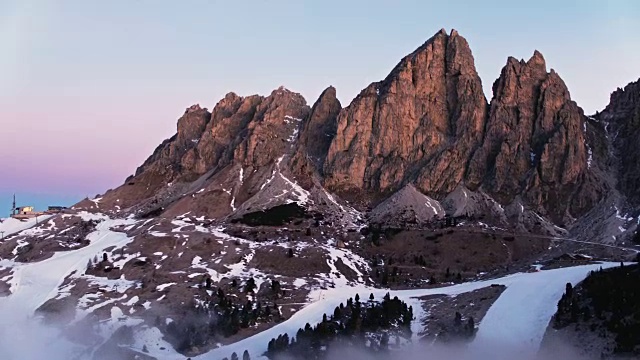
<point x="427" y="124"/>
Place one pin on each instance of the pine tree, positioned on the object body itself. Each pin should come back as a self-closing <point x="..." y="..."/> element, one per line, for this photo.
<point x="337" y="314"/>
<point x="245" y="355"/>
<point x="357" y="298"/>
<point x="275" y="286"/>
<point x="457" y="320"/>
<point x="569" y="290"/>
<point x="290" y="254"/>
<point x="234" y="356"/>
<point x="371" y="297"/>
<point x="471" y="325"/>
<point x="89" y="265"/>
<point x="250" y="286"/>
<point x="104" y="257"/>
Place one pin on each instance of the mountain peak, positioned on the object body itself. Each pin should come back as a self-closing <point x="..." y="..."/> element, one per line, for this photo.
<point x="431" y="97"/>
<point x="537" y="60"/>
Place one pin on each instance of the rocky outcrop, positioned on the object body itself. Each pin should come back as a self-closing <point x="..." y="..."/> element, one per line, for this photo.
<point x="621" y="119"/>
<point x="419" y="124"/>
<point x="426" y="125"/>
<point x="173" y="153"/>
<point x="535" y="143"/>
<point x="242" y="134"/>
<point x="316" y="134"/>
<point x="230" y="118"/>
<point x="407" y="206"/>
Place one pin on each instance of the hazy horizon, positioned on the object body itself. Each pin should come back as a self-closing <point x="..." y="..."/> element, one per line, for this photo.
<point x="89" y="90"/>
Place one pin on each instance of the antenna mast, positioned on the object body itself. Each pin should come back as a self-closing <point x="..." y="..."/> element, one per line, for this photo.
<point x="13" y="209"/>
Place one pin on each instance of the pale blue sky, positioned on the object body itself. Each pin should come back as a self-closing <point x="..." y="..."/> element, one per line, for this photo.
<point x="89" y="88"/>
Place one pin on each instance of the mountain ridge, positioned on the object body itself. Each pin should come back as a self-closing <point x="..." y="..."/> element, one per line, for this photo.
<point x="427" y="123"/>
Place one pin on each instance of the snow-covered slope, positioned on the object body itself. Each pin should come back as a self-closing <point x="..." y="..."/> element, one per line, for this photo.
<point x="11" y="226"/>
<point x="516" y="321"/>
<point x="514" y="324"/>
<point x="32" y="284"/>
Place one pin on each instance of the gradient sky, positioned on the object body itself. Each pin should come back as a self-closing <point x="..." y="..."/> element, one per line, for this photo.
<point x="89" y="88"/>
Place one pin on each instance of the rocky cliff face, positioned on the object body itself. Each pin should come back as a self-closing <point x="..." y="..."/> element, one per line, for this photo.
<point x="174" y="153"/>
<point x="316" y="135"/>
<point x="621" y="119"/>
<point x="427" y="124"/>
<point x="535" y="143"/>
<point x="242" y="134"/>
<point x="418" y="125"/>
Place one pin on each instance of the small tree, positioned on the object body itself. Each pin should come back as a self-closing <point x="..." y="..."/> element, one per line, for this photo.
<point x="457" y="320"/>
<point x="290" y="254"/>
<point x="371" y="297"/>
<point x="245" y="355"/>
<point x="357" y="298"/>
<point x="275" y="286"/>
<point x="569" y="290"/>
<point x="250" y="286"/>
<point x="105" y="258"/>
<point x="144" y="348"/>
<point x="471" y="325"/>
<point x="337" y="314"/>
<point x="89" y="265"/>
<point x="234" y="356"/>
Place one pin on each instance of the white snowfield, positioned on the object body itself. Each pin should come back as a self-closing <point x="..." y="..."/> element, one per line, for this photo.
<point x="11" y="226"/>
<point x="516" y="321"/>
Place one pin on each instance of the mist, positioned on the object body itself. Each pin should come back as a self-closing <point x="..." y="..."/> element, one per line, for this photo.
<point x="32" y="339"/>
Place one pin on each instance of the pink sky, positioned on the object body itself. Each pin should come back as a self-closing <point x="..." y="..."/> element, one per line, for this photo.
<point x="89" y="89"/>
